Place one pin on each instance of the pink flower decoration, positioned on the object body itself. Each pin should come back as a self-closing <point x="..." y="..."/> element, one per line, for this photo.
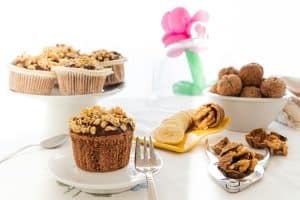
<point x="178" y="23"/>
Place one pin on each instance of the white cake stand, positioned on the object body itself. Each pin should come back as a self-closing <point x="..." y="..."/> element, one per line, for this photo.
<point x="61" y="108"/>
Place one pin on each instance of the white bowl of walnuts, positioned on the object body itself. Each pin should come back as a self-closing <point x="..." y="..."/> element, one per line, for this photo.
<point x="249" y="99"/>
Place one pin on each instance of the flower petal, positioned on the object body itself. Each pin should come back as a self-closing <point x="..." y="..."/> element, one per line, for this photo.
<point x="165" y="22"/>
<point x="197" y="48"/>
<point x="201" y="16"/>
<point x="179" y="19"/>
<point x="171" y="38"/>
<point x="175" y="52"/>
<point x="200" y="30"/>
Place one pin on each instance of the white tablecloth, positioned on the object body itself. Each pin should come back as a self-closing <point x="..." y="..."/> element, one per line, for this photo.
<point x="183" y="176"/>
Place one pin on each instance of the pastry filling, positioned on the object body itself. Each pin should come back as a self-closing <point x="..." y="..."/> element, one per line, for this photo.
<point x="208" y="116"/>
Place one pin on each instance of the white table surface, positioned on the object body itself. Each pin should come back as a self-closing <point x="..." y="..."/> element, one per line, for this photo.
<point x="183" y="176"/>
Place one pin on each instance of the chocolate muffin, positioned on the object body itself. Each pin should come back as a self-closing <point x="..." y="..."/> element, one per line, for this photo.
<point x="101" y="139"/>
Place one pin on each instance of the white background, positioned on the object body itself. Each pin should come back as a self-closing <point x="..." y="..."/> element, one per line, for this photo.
<point x="240" y="31"/>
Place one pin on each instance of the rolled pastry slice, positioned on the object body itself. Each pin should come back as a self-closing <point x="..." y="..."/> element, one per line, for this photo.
<point x="172" y="129"/>
<point x="208" y="116"/>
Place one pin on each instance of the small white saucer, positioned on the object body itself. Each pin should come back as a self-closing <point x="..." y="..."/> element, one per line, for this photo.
<point x="65" y="170"/>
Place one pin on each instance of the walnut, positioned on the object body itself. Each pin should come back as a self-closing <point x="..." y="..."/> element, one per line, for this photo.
<point x="123" y="127"/>
<point x="93" y="130"/>
<point x="241" y="165"/>
<point x="103" y="124"/>
<point x="110" y="128"/>
<point x="273" y="87"/>
<point x="277" y="143"/>
<point x="256" y="138"/>
<point x="235" y="160"/>
<point x="115" y="122"/>
<point x="227" y="71"/>
<point x="217" y="148"/>
<point x="259" y="138"/>
<point x="229" y="85"/>
<point x="251" y="74"/>
<point x="97" y="122"/>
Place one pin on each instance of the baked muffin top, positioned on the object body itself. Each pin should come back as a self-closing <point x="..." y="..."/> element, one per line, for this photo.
<point x="83" y="61"/>
<point x="104" y="55"/>
<point x="98" y="121"/>
<point x="39" y="62"/>
<point x="64" y="55"/>
<point x="60" y="54"/>
<point x="60" y="51"/>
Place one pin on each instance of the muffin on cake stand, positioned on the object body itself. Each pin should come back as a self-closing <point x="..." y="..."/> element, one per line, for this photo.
<point x="81" y="83"/>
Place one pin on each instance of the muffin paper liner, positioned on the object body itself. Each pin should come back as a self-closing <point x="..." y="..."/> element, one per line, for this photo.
<point x="118" y="69"/>
<point x="73" y="81"/>
<point x="117" y="76"/>
<point x="31" y="81"/>
<point x="101" y="153"/>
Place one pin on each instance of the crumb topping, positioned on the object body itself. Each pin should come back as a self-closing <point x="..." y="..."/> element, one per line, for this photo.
<point x="60" y="51"/>
<point x="58" y="55"/>
<point x="64" y="55"/>
<point x="39" y="62"/>
<point x="84" y="61"/>
<point x="104" y="55"/>
<point x="99" y="121"/>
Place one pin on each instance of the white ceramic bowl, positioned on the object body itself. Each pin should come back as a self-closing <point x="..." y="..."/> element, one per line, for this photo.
<point x="248" y="113"/>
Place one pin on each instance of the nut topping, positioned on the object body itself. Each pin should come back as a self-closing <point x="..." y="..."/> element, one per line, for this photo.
<point x="98" y="121"/>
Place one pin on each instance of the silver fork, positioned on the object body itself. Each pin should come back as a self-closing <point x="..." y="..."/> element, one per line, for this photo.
<point x="147" y="163"/>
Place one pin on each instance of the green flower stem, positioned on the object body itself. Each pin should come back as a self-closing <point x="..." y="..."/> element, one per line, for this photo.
<point x="197" y="73"/>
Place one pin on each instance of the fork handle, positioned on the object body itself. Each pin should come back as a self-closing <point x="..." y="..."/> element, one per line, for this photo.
<point x="151" y="186"/>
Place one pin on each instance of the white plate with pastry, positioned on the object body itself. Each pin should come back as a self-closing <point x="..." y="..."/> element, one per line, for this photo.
<point x="64" y="169"/>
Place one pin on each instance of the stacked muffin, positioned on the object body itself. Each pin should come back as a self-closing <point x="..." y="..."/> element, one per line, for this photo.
<point x="248" y="82"/>
<point x="114" y="60"/>
<point x="32" y="75"/>
<point x="75" y="73"/>
<point x="101" y="138"/>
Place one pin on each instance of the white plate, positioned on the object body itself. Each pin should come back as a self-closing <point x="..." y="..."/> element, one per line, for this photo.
<point x="65" y="170"/>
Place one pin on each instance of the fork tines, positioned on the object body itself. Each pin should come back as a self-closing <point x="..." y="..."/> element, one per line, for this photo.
<point x="149" y="155"/>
